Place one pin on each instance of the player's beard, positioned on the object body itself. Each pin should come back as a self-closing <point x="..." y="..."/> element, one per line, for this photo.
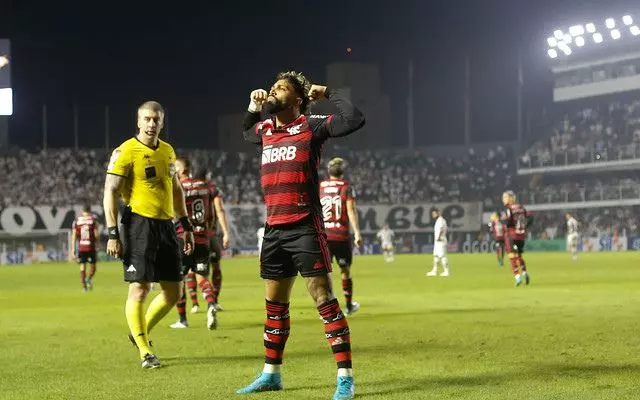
<point x="274" y="106"/>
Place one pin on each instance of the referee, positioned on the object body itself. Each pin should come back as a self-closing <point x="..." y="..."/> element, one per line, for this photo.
<point x="142" y="171"/>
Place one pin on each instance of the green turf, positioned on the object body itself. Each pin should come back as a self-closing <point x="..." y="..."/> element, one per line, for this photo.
<point x="573" y="334"/>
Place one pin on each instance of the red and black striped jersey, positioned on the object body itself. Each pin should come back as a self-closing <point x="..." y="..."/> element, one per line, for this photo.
<point x="497" y="230"/>
<point x="84" y="227"/>
<point x="291" y="157"/>
<point x="517" y="219"/>
<point x="198" y="195"/>
<point x="334" y="194"/>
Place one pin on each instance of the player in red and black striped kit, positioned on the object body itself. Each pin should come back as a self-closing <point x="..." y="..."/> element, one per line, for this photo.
<point x="517" y="220"/>
<point x="198" y="199"/>
<point x="498" y="230"/>
<point x="84" y="239"/>
<point x="338" y="201"/>
<point x="218" y="215"/>
<point x="294" y="239"/>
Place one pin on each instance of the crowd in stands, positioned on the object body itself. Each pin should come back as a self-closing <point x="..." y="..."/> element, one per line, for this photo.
<point x="606" y="131"/>
<point x="620" y="221"/>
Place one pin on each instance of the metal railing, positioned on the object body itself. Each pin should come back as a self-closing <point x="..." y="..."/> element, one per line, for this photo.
<point x="600" y="193"/>
<point x="583" y="156"/>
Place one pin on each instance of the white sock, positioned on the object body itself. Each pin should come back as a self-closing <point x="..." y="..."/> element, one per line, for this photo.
<point x="445" y="264"/>
<point x="272" y="368"/>
<point x="345" y="372"/>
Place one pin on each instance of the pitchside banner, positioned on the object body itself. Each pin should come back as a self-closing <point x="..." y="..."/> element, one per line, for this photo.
<point x="244" y="220"/>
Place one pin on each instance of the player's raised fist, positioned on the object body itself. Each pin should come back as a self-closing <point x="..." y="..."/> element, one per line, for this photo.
<point x="317" y="92"/>
<point x="257" y="99"/>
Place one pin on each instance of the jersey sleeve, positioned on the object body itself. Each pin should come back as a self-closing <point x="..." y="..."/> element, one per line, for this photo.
<point x="348" y="119"/>
<point x="351" y="193"/>
<point x="251" y="126"/>
<point x="214" y="192"/>
<point x="120" y="162"/>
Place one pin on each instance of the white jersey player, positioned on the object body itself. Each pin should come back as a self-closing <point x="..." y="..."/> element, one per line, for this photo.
<point x="260" y="235"/>
<point x="386" y="235"/>
<point x="572" y="235"/>
<point x="439" y="245"/>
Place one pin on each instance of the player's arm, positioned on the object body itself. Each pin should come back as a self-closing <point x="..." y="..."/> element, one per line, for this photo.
<point x="348" y="119"/>
<point x="180" y="212"/>
<point x="74" y="237"/>
<point x="352" y="213"/>
<point x="251" y="120"/>
<point x="221" y="216"/>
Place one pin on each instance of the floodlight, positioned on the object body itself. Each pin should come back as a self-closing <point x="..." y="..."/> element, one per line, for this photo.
<point x="635" y="30"/>
<point x="558" y="34"/>
<point x="576" y="30"/>
<point x="552" y="42"/>
<point x="610" y="22"/>
<point x="597" y="37"/>
<point x="591" y="28"/>
<point x="567" y="38"/>
<point x="579" y="41"/>
<point x="627" y="20"/>
<point x="615" y="34"/>
<point x="552" y="53"/>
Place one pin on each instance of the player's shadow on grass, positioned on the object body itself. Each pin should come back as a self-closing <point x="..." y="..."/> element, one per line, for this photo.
<point x="585" y="369"/>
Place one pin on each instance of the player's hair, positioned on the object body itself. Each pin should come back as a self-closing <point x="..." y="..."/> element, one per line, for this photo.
<point x="301" y="86"/>
<point x="510" y="194"/>
<point x="201" y="173"/>
<point x="186" y="162"/>
<point x="153" y="106"/>
<point x="86" y="207"/>
<point x="336" y="167"/>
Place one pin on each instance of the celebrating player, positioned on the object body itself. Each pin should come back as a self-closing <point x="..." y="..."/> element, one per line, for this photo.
<point x="294" y="237"/>
<point x="572" y="235"/>
<point x="198" y="197"/>
<point x="142" y="169"/>
<point x="496" y="227"/>
<point x="84" y="238"/>
<point x="386" y="235"/>
<point x="336" y="197"/>
<point x="439" y="245"/>
<point x="217" y="214"/>
<point x="517" y="220"/>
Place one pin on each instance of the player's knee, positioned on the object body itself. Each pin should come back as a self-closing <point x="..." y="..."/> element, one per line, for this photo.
<point x="319" y="288"/>
<point x="172" y="292"/>
<point x="82" y="268"/>
<point x="345" y="271"/>
<point x="138" y="291"/>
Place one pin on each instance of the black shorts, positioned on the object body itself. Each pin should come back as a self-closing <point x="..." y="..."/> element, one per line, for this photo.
<point x="151" y="250"/>
<point x="292" y="248"/>
<point x="215" y="252"/>
<point x="342" y="251"/>
<point x="87" y="257"/>
<point x="514" y="246"/>
<point x="499" y="244"/>
<point x="197" y="261"/>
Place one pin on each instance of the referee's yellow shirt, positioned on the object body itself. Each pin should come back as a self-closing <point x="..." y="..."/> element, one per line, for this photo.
<point x="148" y="188"/>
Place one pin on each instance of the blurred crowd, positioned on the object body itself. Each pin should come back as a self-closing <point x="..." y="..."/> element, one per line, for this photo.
<point x="604" y="131"/>
<point x="617" y="221"/>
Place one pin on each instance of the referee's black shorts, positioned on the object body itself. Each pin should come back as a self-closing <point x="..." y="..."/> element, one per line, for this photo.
<point x="151" y="250"/>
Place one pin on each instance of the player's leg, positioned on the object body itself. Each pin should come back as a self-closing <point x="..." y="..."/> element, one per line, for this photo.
<point x="134" y="310"/>
<point x="216" y="271"/>
<point x="522" y="266"/>
<point x="391" y="253"/>
<point x="168" y="271"/>
<point x="436" y="262"/>
<point x="192" y="287"/>
<point x="181" y="307"/>
<point x="500" y="253"/>
<point x="92" y="260"/>
<point x="444" y="261"/>
<point x="513" y="260"/>
<point x="83" y="276"/>
<point x="278" y="273"/>
<point x="312" y="258"/>
<point x="573" y="246"/>
<point x="202" y="278"/>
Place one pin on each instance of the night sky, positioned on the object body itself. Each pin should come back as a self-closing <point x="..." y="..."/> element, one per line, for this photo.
<point x="204" y="60"/>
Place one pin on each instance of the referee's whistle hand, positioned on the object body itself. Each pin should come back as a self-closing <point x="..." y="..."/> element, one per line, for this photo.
<point x="188" y="243"/>
<point x="114" y="248"/>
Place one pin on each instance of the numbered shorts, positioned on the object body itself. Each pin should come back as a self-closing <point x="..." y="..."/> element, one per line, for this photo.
<point x="440" y="249"/>
<point x="151" y="250"/>
<point x="514" y="245"/>
<point x="197" y="261"/>
<point x="87" y="257"/>
<point x="289" y="249"/>
<point x="342" y="252"/>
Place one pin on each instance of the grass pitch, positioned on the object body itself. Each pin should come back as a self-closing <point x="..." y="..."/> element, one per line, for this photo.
<point x="573" y="334"/>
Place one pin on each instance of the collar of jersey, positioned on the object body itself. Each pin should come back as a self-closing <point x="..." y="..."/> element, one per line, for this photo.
<point x="149" y="147"/>
<point x="301" y="119"/>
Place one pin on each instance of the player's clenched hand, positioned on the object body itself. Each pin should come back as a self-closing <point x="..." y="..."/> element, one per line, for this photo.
<point x="3" y="61"/>
<point x="317" y="92"/>
<point x="357" y="239"/>
<point x="257" y="99"/>
<point x="114" y="248"/>
<point x="225" y="241"/>
<point x="188" y="243"/>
